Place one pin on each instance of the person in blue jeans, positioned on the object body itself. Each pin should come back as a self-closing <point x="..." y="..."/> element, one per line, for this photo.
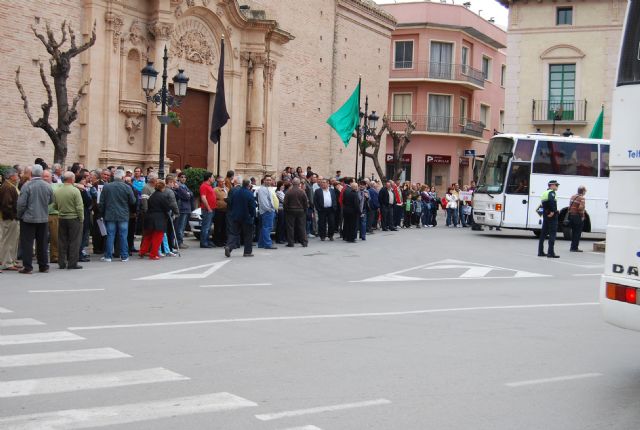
<point x="208" y="203"/>
<point x="116" y="200"/>
<point x="267" y="214"/>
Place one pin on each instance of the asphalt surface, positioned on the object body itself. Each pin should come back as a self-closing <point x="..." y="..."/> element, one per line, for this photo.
<point x="419" y="329"/>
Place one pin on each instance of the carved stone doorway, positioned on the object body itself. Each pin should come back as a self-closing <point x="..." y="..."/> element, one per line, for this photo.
<point x="188" y="144"/>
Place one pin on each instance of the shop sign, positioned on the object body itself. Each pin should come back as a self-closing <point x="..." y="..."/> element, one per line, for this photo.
<point x="438" y="159"/>
<point x="406" y="158"/>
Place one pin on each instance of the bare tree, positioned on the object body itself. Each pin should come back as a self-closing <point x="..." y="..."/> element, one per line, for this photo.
<point x="60" y="67"/>
<point x="400" y="143"/>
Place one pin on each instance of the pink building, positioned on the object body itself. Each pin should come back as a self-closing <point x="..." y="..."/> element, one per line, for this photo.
<point x="447" y="72"/>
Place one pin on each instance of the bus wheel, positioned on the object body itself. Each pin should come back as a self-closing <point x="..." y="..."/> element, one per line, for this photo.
<point x="536" y="233"/>
<point x="566" y="233"/>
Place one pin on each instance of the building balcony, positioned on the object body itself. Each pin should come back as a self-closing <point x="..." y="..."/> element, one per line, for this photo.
<point x="407" y="71"/>
<point x="570" y="112"/>
<point x="441" y="125"/>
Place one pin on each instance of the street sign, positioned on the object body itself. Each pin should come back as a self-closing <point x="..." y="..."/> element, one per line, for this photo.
<point x="469" y="152"/>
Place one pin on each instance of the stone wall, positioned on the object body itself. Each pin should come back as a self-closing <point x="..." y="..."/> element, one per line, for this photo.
<point x="19" y="141"/>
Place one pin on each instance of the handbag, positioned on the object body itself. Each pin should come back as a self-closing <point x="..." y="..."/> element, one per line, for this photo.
<point x="566" y="222"/>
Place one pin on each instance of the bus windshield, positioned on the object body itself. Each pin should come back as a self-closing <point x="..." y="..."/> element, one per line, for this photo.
<point x="494" y="170"/>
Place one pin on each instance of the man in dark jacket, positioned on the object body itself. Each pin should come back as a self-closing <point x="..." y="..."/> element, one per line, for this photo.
<point x="374" y="207"/>
<point x="33" y="212"/>
<point x="295" y="207"/>
<point x="241" y="212"/>
<point x="9" y="229"/>
<point x="184" y="197"/>
<point x="386" y="199"/>
<point x="325" y="203"/>
<point x="351" y="212"/>
<point x="116" y="200"/>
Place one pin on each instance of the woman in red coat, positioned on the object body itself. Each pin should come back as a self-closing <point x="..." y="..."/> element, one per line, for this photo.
<point x="155" y="222"/>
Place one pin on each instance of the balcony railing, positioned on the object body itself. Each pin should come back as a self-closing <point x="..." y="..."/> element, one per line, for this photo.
<point x="439" y="124"/>
<point x="437" y="71"/>
<point x="559" y="110"/>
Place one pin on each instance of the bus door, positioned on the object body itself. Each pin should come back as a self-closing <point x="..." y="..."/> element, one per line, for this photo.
<point x="516" y="197"/>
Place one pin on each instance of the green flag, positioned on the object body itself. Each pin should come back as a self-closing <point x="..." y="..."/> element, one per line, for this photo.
<point x="596" y="132"/>
<point x="345" y="120"/>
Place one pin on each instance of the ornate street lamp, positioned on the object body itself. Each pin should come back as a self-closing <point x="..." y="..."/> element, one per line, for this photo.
<point x="163" y="97"/>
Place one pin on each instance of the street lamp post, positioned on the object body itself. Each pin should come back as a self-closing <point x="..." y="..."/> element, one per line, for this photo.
<point x="368" y="128"/>
<point x="163" y="97"/>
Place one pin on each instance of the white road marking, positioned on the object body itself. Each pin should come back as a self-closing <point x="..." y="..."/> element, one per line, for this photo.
<point x="28" y="387"/>
<point x="474" y="271"/>
<point x="17" y="322"/>
<point x="79" y="290"/>
<point x="36" y="359"/>
<point x="587" y="274"/>
<point x="330" y="316"/>
<point x="5" y="311"/>
<point x="53" y="336"/>
<point x="320" y="409"/>
<point x="304" y="428"/>
<point x="234" y="285"/>
<point x="124" y="414"/>
<point x="584" y="266"/>
<point x="556" y="379"/>
<point x="179" y="274"/>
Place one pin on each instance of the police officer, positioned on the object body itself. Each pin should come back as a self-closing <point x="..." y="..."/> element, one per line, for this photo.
<point x="549" y="220"/>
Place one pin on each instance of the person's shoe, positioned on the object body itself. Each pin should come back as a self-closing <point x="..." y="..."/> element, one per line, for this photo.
<point x="13" y="268"/>
<point x="155" y="257"/>
<point x="322" y="239"/>
<point x="171" y="254"/>
<point x="62" y="266"/>
<point x="25" y="271"/>
<point x="247" y="255"/>
<point x="576" y="250"/>
<point x="105" y="259"/>
<point x="227" y="251"/>
<point x="289" y="245"/>
<point x="53" y="261"/>
<point x="124" y="260"/>
<point x="75" y="267"/>
<point x="84" y="259"/>
<point x="393" y="229"/>
<point x="331" y="239"/>
<point x="553" y="256"/>
<point x="271" y="247"/>
<point x="542" y="255"/>
<point x="44" y="270"/>
<point x="132" y="250"/>
<point x="206" y="246"/>
<point x="304" y="245"/>
<point x="140" y="255"/>
<point x="385" y="229"/>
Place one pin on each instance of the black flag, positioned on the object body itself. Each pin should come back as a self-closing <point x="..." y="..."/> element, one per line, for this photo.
<point x="220" y="115"/>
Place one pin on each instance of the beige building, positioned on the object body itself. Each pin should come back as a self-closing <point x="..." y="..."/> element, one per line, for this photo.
<point x="561" y="63"/>
<point x="289" y="65"/>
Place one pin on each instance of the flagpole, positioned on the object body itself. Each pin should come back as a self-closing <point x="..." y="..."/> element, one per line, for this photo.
<point x="358" y="127"/>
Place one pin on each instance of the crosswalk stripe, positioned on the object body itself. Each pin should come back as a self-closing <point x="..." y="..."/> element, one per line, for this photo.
<point x="19" y="360"/>
<point x="52" y="336"/>
<point x="123" y="414"/>
<point x="16" y="322"/>
<point x="5" y="311"/>
<point x="27" y="387"/>
<point x="320" y="409"/>
<point x="304" y="428"/>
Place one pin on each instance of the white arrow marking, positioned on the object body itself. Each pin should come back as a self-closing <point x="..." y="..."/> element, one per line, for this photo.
<point x="179" y="274"/>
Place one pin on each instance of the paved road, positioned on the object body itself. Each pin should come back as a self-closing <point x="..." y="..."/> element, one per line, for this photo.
<point x="420" y="329"/>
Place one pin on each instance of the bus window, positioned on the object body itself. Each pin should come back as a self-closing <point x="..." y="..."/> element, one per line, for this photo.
<point x="524" y="150"/>
<point x="566" y="158"/>
<point x="494" y="169"/>
<point x="519" y="179"/>
<point x="629" y="70"/>
<point x="604" y="161"/>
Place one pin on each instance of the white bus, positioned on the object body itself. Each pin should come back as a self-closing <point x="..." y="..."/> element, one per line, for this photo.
<point x="517" y="169"/>
<point x="620" y="285"/>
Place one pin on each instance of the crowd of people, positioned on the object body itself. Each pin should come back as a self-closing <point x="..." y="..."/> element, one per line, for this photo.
<point x="71" y="213"/>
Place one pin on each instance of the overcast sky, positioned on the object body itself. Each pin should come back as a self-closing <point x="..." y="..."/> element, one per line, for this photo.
<point x="488" y="8"/>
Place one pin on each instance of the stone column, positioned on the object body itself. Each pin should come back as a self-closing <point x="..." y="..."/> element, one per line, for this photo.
<point x="113" y="27"/>
<point x="256" y="123"/>
<point x="161" y="32"/>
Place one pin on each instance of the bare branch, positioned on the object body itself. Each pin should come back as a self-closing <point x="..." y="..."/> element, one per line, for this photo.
<point x="72" y="114"/>
<point x="73" y="37"/>
<point x="24" y="98"/>
<point x="49" y="103"/>
<point x="72" y="52"/>
<point x="43" y="40"/>
<point x="64" y="34"/>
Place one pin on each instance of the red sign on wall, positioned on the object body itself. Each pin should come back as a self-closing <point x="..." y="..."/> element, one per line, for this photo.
<point x="406" y="158"/>
<point x="438" y="159"/>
